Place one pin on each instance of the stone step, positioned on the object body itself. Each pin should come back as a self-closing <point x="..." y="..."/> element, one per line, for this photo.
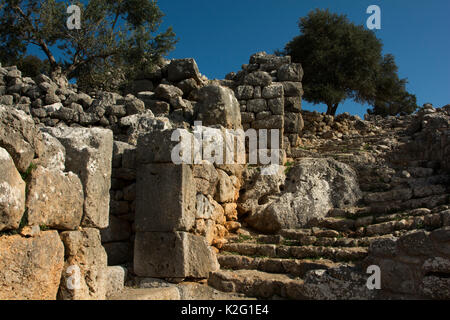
<point x="299" y="237"/>
<point x="293" y="267"/>
<point x="182" y="291"/>
<point x="405" y="194"/>
<point x="170" y="293"/>
<point x="429" y="222"/>
<point x="369" y="226"/>
<point x="393" y="206"/>
<point x="258" y="284"/>
<point x="296" y="252"/>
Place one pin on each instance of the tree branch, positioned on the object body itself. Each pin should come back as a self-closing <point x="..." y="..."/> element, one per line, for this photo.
<point x="40" y="41"/>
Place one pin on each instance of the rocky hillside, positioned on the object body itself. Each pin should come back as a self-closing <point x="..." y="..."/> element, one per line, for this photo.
<point x="93" y="207"/>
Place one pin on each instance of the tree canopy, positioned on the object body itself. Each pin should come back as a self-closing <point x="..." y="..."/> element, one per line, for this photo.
<point x="117" y="38"/>
<point x="342" y="60"/>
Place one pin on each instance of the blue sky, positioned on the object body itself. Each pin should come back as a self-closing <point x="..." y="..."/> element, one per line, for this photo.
<point x="221" y="36"/>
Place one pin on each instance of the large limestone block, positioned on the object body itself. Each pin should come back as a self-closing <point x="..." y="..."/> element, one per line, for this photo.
<point x="181" y="69"/>
<point x="165" y="199"/>
<point x="312" y="188"/>
<point x="53" y="155"/>
<point x="173" y="255"/>
<point x="218" y="105"/>
<point x="55" y="199"/>
<point x="19" y="136"/>
<point x="30" y="268"/>
<point x="116" y="279"/>
<point x="85" y="269"/>
<point x="12" y="193"/>
<point x="89" y="155"/>
<point x="167" y="146"/>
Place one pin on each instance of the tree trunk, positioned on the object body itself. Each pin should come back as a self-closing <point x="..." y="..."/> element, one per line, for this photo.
<point x="332" y="108"/>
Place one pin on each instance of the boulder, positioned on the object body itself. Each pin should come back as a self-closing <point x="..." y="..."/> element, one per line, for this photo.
<point x="55" y="199"/>
<point x="30" y="268"/>
<point x="12" y="193"/>
<point x="167" y="92"/>
<point x="312" y="188"/>
<point x="85" y="270"/>
<point x="19" y="136"/>
<point x="290" y="72"/>
<point x="225" y="189"/>
<point x="181" y="69"/>
<point x="89" y="155"/>
<point x="139" y="124"/>
<point x="217" y="105"/>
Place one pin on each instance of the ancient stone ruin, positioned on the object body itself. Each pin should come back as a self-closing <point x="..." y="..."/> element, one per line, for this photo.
<point x="92" y="205"/>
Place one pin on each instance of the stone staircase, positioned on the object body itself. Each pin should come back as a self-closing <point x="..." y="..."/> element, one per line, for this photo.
<point x="397" y="199"/>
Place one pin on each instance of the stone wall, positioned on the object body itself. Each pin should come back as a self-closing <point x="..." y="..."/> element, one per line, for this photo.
<point x="269" y="91"/>
<point x="430" y="131"/>
<point x="54" y="198"/>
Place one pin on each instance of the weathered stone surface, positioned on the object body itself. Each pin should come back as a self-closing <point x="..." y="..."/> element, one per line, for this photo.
<point x="244" y="92"/>
<point x="435" y="287"/>
<point x="181" y="69"/>
<point x="173" y="255"/>
<point x="150" y="294"/>
<point x="312" y="188"/>
<point x="293" y="122"/>
<point x="134" y="106"/>
<point x="55" y="199"/>
<point x="87" y="259"/>
<point x="276" y="106"/>
<point x="258" y="189"/>
<point x="162" y="147"/>
<point x="30" y="268"/>
<point x="225" y="190"/>
<point x="143" y="123"/>
<point x="257" y="105"/>
<point x="12" y="193"/>
<point x="416" y="243"/>
<point x="116" y="279"/>
<point x="293" y="104"/>
<point x="218" y="105"/>
<point x="292" y="89"/>
<point x="258" y="78"/>
<point x="165" y="199"/>
<point x="206" y="177"/>
<point x="54" y="153"/>
<point x="89" y="155"/>
<point x="337" y="284"/>
<point x="119" y="151"/>
<point x="204" y="208"/>
<point x="19" y="136"/>
<point x="290" y="72"/>
<point x="167" y="92"/>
